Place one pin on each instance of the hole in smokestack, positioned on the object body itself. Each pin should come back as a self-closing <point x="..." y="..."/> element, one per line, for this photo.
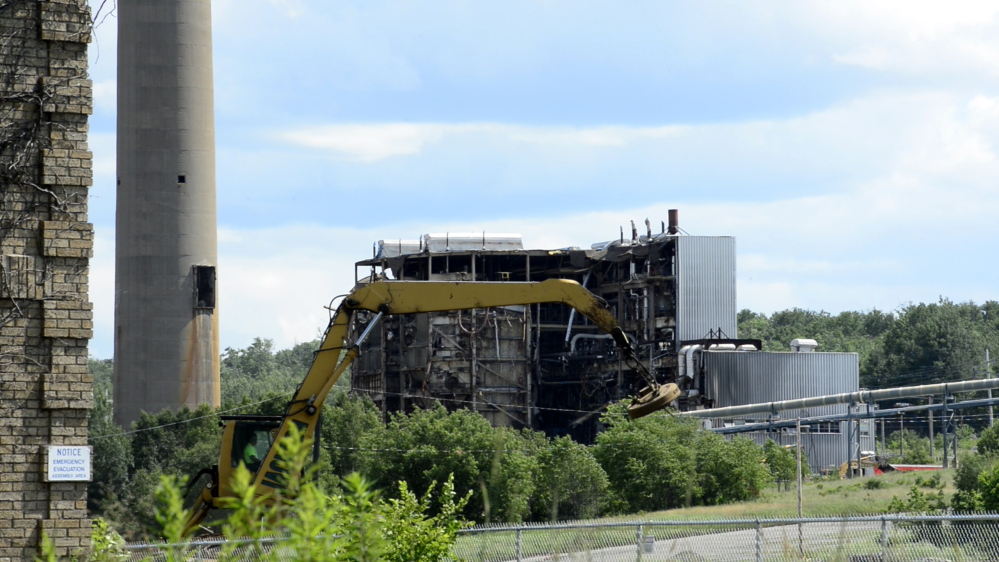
<point x="181" y="179"/>
<point x="204" y="286"/>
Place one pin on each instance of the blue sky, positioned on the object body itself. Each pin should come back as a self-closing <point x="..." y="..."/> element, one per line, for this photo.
<point x="850" y="147"/>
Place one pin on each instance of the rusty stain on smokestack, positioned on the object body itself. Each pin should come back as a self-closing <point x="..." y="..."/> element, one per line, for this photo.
<point x="674" y="221"/>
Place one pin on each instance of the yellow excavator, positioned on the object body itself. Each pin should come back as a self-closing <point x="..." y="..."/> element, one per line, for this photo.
<point x="394" y="297"/>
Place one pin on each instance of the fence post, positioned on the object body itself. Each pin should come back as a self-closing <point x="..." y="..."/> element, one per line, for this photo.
<point x="884" y="538"/>
<point x="520" y="545"/>
<point x="639" y="541"/>
<point x="759" y="541"/>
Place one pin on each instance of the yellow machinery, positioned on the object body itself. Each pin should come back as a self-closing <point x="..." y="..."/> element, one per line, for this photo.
<point x="865" y="462"/>
<point x="395" y="297"/>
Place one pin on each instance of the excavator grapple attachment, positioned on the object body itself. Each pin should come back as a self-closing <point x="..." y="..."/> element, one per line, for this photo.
<point x="653" y="398"/>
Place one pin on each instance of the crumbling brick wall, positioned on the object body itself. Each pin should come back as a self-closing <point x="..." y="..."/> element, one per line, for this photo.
<point x="45" y="245"/>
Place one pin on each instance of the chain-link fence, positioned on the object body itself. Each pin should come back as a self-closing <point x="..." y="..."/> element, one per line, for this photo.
<point x="881" y="538"/>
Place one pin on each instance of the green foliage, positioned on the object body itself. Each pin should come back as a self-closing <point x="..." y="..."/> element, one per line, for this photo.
<point x="106" y="545"/>
<point x="345" y="420"/>
<point x="918" y="502"/>
<point x="661" y="462"/>
<point x="922" y="344"/>
<point x="428" y="446"/>
<point x="354" y="523"/>
<point x="915" y="449"/>
<point x="782" y="462"/>
<point x="649" y="461"/>
<point x="728" y="470"/>
<point x="47" y="548"/>
<point x="964" y="502"/>
<point x="929" y="343"/>
<point x="858" y="332"/>
<point x="178" y="443"/>
<point x="988" y="487"/>
<point x="570" y="483"/>
<point x="172" y="517"/>
<point x="933" y="482"/>
<point x="874" y="484"/>
<point x="256" y="372"/>
<point x="413" y="535"/>
<point x="988" y="443"/>
<point x="112" y="454"/>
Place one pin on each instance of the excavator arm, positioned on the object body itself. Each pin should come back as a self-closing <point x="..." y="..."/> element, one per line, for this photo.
<point x="410" y="297"/>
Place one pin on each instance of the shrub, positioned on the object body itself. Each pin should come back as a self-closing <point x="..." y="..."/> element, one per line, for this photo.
<point x="988" y="487"/>
<point x="570" y="483"/>
<point x="495" y="465"/>
<point x="874" y="484"/>
<point x="916" y="449"/>
<point x="650" y="461"/>
<point x="353" y="524"/>
<point x="661" y="462"/>
<point x="988" y="443"/>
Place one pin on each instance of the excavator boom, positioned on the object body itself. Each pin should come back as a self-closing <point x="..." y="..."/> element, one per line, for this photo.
<point x="411" y="297"/>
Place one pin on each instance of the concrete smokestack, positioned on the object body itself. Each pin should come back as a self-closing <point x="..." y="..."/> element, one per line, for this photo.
<point x="166" y="308"/>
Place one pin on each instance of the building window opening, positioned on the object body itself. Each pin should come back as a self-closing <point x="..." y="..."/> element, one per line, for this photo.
<point x="204" y="286"/>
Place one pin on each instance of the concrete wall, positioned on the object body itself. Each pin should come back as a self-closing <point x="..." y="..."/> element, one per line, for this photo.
<point x="45" y="245"/>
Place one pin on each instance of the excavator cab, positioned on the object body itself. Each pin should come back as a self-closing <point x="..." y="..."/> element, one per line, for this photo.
<point x="245" y="439"/>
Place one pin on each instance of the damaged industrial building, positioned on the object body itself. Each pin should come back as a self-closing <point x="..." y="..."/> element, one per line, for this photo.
<point x="545" y="367"/>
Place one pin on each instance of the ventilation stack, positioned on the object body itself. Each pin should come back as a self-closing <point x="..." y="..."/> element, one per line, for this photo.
<point x="166" y="317"/>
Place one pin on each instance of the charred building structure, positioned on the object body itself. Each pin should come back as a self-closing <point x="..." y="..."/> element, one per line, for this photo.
<point x="543" y="366"/>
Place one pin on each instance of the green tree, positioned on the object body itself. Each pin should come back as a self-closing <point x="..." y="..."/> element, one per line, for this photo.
<point x="112" y="454"/>
<point x="858" y="332"/>
<point x="729" y="470"/>
<point x="257" y="372"/>
<point x="968" y="496"/>
<point x="988" y="486"/>
<point x="929" y="343"/>
<point x="346" y="420"/>
<point x="988" y="443"/>
<point x="494" y="464"/>
<point x="915" y="449"/>
<point x="650" y="462"/>
<point x="782" y="462"/>
<point x="570" y="483"/>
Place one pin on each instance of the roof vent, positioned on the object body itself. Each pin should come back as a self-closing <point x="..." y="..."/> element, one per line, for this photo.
<point x="801" y="345"/>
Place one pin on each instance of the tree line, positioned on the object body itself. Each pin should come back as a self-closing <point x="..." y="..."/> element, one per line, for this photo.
<point x="658" y="462"/>
<point x="654" y="463"/>
<point x="917" y="344"/>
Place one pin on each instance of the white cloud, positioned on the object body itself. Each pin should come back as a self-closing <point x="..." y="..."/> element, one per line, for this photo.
<point x="367" y="143"/>
<point x="915" y="37"/>
<point x="374" y="142"/>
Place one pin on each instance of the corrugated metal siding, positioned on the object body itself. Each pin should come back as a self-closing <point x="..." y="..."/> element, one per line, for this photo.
<point x="734" y="378"/>
<point x="705" y="271"/>
<point x="824" y="451"/>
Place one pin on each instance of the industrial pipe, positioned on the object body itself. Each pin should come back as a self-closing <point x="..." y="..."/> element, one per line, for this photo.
<point x="858" y="397"/>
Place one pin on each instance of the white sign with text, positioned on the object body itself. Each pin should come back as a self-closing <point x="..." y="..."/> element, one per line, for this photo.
<point x="68" y="464"/>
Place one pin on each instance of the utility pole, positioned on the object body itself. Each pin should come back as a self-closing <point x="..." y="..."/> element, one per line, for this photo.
<point x="797" y="449"/>
<point x="901" y="434"/>
<point x="884" y="449"/>
<point x="943" y="429"/>
<point x="929" y="412"/>
<point x="988" y="375"/>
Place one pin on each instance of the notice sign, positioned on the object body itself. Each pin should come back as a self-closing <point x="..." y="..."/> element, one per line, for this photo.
<point x="68" y="464"/>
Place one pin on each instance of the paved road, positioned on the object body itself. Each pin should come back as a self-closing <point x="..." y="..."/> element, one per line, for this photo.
<point x="779" y="543"/>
